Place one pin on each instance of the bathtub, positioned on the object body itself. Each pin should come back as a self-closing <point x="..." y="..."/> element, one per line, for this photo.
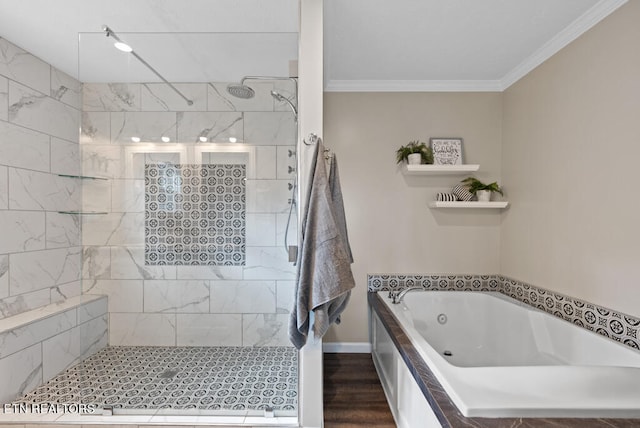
<point x="496" y="357"/>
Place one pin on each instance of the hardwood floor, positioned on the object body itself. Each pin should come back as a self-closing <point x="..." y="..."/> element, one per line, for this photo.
<point x="353" y="396"/>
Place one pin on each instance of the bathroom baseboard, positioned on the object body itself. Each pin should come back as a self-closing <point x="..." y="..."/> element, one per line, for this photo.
<point x="347" y="347"/>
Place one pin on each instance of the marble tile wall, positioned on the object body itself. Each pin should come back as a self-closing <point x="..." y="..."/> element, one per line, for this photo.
<point x="167" y="305"/>
<point x="40" y="249"/>
<point x="37" y="345"/>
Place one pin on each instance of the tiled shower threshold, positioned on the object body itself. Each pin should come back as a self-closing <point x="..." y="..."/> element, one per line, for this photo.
<point x="156" y="418"/>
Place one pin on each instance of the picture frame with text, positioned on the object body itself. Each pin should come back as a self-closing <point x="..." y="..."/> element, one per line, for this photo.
<point x="446" y="151"/>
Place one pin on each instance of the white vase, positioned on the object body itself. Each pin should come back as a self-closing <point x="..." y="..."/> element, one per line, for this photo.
<point x="483" y="195"/>
<point x="414" y="159"/>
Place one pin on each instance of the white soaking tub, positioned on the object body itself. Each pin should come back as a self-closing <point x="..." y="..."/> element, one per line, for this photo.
<point x="496" y="357"/>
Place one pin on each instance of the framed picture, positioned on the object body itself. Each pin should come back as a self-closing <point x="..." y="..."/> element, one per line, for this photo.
<point x="446" y="151"/>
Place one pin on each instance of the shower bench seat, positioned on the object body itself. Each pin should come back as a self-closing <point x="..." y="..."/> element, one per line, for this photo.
<point x="38" y="344"/>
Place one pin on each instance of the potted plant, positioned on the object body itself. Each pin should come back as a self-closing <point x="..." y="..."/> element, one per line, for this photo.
<point x="481" y="190"/>
<point x="415" y="153"/>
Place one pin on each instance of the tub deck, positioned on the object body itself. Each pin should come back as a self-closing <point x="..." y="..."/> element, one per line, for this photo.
<point x="442" y="405"/>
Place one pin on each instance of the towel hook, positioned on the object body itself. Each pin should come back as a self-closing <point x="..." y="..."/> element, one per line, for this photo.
<point x="311" y="139"/>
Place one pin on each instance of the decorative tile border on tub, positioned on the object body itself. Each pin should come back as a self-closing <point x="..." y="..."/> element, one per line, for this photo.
<point x="614" y="325"/>
<point x="609" y="323"/>
<point x="392" y="282"/>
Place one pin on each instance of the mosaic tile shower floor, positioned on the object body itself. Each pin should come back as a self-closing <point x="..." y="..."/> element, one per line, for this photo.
<point x="196" y="378"/>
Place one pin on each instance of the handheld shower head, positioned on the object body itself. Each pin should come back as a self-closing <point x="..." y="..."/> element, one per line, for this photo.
<point x="278" y="96"/>
<point x="281" y="98"/>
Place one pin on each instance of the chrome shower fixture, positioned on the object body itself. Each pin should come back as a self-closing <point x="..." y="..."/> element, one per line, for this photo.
<point x="241" y="91"/>
<point x="279" y="97"/>
<point x="125" y="47"/>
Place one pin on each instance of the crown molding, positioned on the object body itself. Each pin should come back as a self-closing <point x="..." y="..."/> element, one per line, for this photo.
<point x="413" y="86"/>
<point x="581" y="25"/>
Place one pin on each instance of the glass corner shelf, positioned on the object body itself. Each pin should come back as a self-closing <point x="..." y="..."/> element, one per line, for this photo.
<point x="83" y="177"/>
<point x="83" y="212"/>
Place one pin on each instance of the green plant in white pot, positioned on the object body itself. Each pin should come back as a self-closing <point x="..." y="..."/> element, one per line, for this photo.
<point x="415" y="153"/>
<point x="482" y="191"/>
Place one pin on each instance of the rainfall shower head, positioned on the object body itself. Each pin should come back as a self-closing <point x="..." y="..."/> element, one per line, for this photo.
<point x="241" y="91"/>
<point x="279" y="97"/>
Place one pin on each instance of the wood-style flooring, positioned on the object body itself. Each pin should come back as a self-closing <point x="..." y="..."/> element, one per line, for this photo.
<point x="353" y="395"/>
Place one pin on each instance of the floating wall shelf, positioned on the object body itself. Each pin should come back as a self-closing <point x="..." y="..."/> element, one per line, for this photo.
<point x="471" y="204"/>
<point x="438" y="169"/>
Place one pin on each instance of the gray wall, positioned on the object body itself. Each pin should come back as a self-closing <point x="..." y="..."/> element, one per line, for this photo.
<point x="570" y="159"/>
<point x="391" y="228"/>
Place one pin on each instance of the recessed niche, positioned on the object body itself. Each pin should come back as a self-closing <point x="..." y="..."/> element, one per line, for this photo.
<point x="195" y="214"/>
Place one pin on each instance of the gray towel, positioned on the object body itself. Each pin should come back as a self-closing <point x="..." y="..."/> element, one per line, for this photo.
<point x="323" y="278"/>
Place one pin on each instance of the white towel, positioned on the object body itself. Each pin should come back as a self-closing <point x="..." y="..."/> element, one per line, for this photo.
<point x="323" y="279"/>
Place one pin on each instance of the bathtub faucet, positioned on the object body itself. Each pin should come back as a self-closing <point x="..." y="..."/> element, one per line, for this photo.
<point x="397" y="297"/>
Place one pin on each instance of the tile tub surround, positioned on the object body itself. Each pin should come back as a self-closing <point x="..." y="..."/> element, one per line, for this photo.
<point x="395" y="282"/>
<point x="39" y="120"/>
<point x="446" y="412"/>
<point x="244" y="304"/>
<point x="609" y="323"/>
<point x="36" y="345"/>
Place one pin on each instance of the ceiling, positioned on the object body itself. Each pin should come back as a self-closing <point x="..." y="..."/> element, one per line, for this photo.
<point x="185" y="40"/>
<point x="370" y="45"/>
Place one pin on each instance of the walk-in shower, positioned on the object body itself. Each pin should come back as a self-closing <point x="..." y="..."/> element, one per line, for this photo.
<point x="184" y="210"/>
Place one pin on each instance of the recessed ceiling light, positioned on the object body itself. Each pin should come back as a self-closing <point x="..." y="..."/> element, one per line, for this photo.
<point x="135" y="139"/>
<point x="203" y="139"/>
<point x="165" y="139"/>
<point x="232" y="139"/>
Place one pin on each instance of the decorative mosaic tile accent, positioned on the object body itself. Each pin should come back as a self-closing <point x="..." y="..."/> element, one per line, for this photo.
<point x="203" y="378"/>
<point x="433" y="282"/>
<point x="611" y="324"/>
<point x="195" y="214"/>
<point x="614" y="325"/>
